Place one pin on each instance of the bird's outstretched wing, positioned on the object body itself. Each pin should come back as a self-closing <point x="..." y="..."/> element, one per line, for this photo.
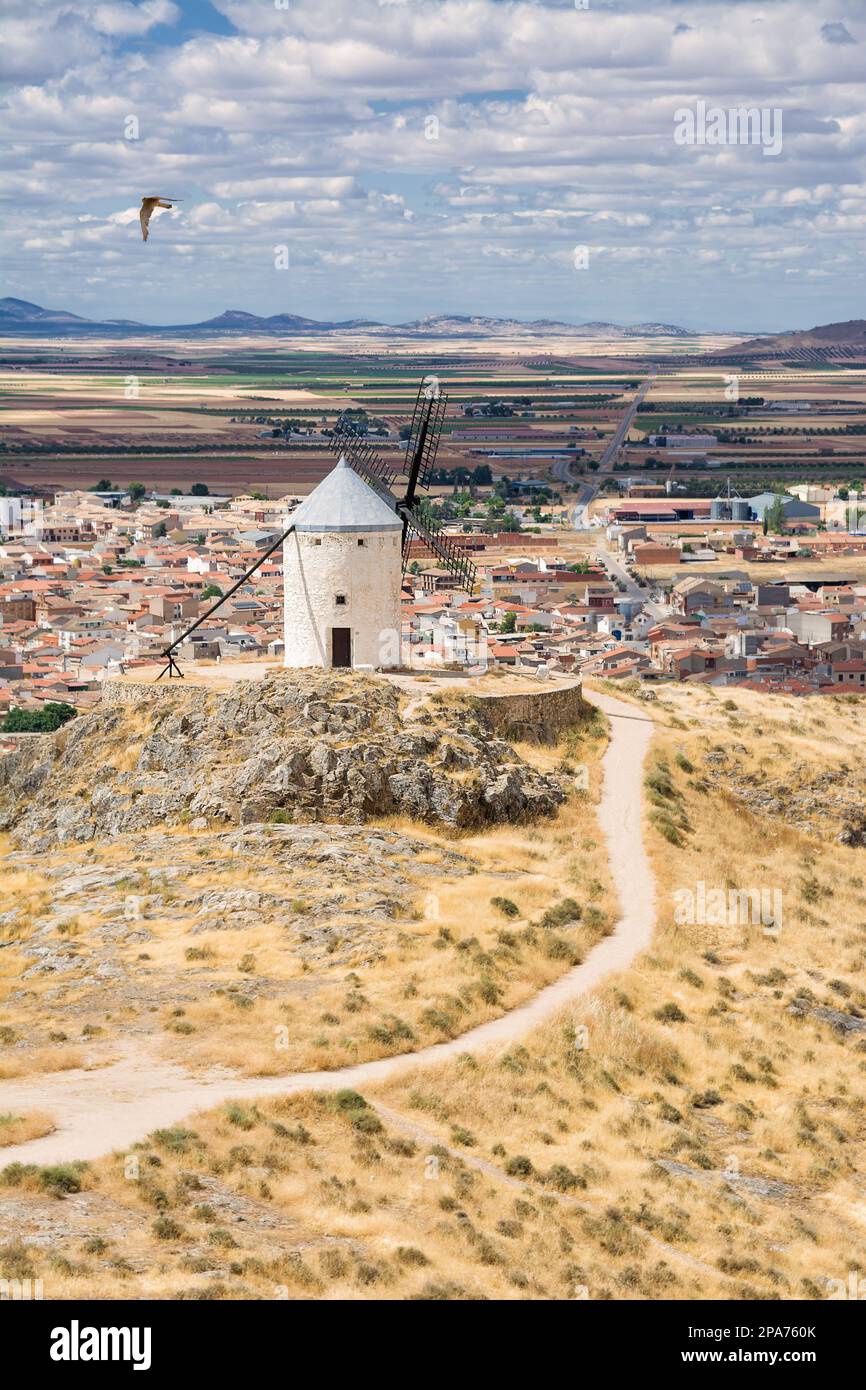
<point x="145" y="214"/>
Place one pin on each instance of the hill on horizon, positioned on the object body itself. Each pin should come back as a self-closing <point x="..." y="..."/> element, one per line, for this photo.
<point x="20" y="316"/>
<point x="846" y="339"/>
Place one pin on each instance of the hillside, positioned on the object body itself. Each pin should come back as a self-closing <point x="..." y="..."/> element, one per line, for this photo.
<point x="852" y="332"/>
<point x="242" y="856"/>
<point x="300" y="747"/>
<point x="846" y="341"/>
<point x="693" y="1129"/>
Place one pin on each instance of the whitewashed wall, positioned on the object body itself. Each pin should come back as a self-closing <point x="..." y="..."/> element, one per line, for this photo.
<point x="369" y="575"/>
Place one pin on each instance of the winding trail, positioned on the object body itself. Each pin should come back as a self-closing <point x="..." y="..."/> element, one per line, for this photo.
<point x="109" y="1108"/>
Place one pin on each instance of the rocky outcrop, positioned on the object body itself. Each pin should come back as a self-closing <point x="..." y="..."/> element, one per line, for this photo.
<point x="295" y="747"/>
<point x="827" y="803"/>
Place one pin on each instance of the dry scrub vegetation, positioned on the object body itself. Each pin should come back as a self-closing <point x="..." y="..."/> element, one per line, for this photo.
<point x="318" y="1196"/>
<point x="716" y="1096"/>
<point x="696" y="1129"/>
<point x="273" y="948"/>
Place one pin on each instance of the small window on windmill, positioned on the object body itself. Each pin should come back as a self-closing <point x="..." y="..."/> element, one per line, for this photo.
<point x="340" y="600"/>
<point x="317" y="540"/>
<point x="362" y="542"/>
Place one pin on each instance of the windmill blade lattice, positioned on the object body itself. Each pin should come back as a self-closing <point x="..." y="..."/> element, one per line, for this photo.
<point x="428" y="418"/>
<point x="443" y="546"/>
<point x="362" y="456"/>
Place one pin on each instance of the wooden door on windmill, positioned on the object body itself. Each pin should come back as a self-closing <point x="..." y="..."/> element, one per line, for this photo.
<point x="341" y="646"/>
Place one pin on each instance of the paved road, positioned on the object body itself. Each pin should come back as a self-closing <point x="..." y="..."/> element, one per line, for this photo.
<point x="616" y="570"/>
<point x="107" y="1109"/>
<point x="588" y="488"/>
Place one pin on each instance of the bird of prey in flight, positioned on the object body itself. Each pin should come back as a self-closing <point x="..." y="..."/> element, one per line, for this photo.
<point x="147" y="207"/>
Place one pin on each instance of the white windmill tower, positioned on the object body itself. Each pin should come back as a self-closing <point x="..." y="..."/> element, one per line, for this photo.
<point x="342" y="572"/>
<point x="346" y="546"/>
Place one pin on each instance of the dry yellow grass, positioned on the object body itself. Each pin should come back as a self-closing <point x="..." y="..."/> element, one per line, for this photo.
<point x="17" y="1129"/>
<point x="452" y="943"/>
<point x="321" y="1197"/>
<point x="25" y="1061"/>
<point x="697" y="1057"/>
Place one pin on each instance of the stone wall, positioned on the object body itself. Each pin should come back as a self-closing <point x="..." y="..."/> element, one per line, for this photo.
<point x="538" y="716"/>
<point x="117" y="692"/>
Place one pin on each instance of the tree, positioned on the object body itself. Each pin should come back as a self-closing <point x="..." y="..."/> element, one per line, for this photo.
<point x="199" y="490"/>
<point x="775" y="515"/>
<point x="39" y="721"/>
<point x="212" y="591"/>
<point x="509" y="622"/>
<point x="102" y="486"/>
<point x="159" y="530"/>
<point x="136" y="491"/>
<point x="176" y="492"/>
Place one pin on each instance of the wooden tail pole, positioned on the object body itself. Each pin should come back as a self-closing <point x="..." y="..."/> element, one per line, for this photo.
<point x="172" y="668"/>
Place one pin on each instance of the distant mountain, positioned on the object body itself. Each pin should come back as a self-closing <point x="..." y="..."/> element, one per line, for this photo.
<point x="852" y="333"/>
<point x="275" y="323"/>
<point x="657" y="330"/>
<point x="20" y="313"/>
<point x="479" y="325"/>
<point x="828" y="341"/>
<point x="19" y="316"/>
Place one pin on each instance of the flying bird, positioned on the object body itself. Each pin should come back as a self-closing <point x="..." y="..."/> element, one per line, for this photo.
<point x="147" y="207"/>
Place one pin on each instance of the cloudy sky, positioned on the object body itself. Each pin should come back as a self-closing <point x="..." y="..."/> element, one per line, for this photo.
<point x="419" y="156"/>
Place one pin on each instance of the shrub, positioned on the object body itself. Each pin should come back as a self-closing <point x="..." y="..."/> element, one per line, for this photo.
<point x="164" y="1228"/>
<point x="561" y="914"/>
<point x="505" y="906"/>
<point x="349" y="1100"/>
<point x="61" y="1179"/>
<point x="409" y="1255"/>
<point x="367" y="1122"/>
<point x="238" y="1115"/>
<point x="563" y="1179"/>
<point x="519" y="1166"/>
<point x="670" y="1013"/>
<point x="15" y="1261"/>
<point x="39" y="721"/>
<point x="176" y="1140"/>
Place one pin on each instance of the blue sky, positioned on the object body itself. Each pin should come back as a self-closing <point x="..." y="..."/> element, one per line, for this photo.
<point x="418" y="156"/>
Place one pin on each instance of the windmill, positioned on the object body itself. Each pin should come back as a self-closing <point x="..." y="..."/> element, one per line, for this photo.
<point x="422" y="446"/>
<point x="416" y="468"/>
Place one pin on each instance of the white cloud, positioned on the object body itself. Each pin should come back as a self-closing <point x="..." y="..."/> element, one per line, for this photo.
<point x="314" y="122"/>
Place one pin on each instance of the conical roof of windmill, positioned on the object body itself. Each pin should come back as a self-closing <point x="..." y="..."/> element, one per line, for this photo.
<point x="344" y="502"/>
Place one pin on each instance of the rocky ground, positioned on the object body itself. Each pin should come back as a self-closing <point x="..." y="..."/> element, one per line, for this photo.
<point x="308" y="856"/>
<point x="829" y="803"/>
<point x="300" y="747"/>
<point x="329" y="894"/>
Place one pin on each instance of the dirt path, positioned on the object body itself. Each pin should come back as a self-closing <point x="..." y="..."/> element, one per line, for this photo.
<point x="109" y="1108"/>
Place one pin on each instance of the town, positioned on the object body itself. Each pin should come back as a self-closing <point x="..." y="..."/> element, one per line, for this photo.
<point x="99" y="582"/>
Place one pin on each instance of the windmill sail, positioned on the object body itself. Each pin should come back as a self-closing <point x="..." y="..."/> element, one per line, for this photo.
<point x="362" y="456"/>
<point x="428" y="417"/>
<point x="427" y="420"/>
<point x="450" y="554"/>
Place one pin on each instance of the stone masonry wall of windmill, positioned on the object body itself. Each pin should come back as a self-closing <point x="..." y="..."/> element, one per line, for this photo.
<point x="365" y="572"/>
